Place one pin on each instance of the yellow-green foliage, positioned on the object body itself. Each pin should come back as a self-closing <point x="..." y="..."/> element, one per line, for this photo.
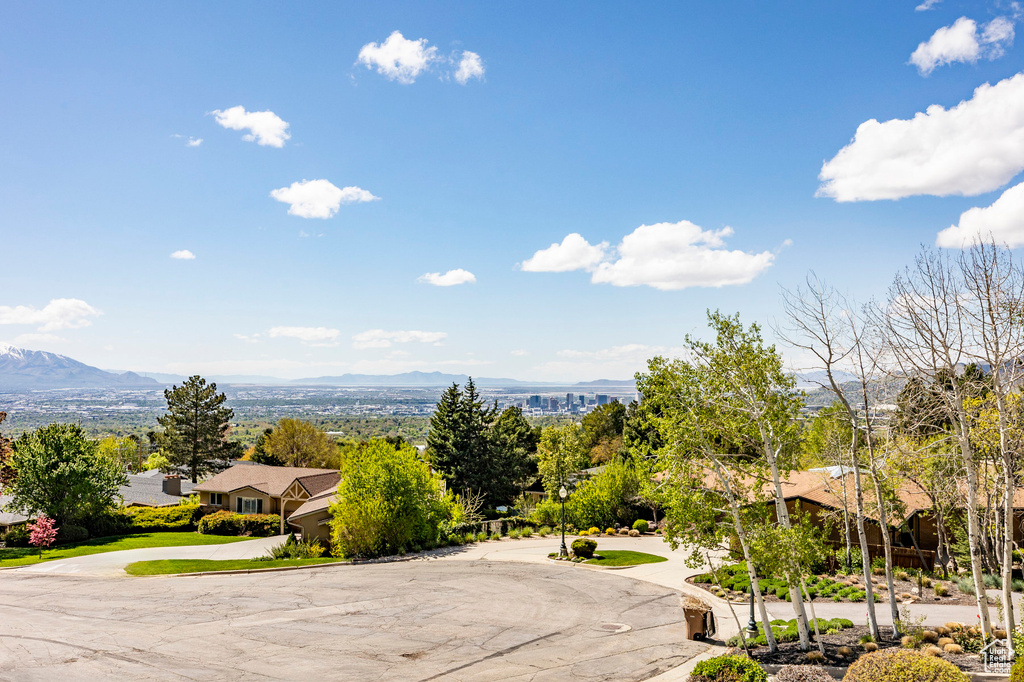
<point x="1017" y="671"/>
<point x="903" y="665"/>
<point x="389" y="502"/>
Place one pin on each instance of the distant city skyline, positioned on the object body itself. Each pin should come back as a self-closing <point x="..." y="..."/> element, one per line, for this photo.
<point x="550" y="194"/>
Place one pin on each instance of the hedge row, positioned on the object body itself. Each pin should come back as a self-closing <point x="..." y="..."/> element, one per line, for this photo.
<point x="230" y="523"/>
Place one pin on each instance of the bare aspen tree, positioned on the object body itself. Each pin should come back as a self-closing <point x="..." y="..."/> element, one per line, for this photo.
<point x="819" y="323"/>
<point x="925" y="327"/>
<point x="993" y="304"/>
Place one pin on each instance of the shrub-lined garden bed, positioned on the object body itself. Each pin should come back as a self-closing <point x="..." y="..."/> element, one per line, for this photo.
<point x="733" y="582"/>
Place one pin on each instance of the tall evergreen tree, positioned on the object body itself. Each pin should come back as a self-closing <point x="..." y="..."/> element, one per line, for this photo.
<point x="195" y="426"/>
<point x="476" y="449"/>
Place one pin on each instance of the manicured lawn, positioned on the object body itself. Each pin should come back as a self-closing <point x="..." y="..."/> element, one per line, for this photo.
<point x="170" y="566"/>
<point x="22" y="556"/>
<point x="625" y="557"/>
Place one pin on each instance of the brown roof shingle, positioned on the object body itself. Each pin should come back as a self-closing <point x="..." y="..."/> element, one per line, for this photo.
<point x="270" y="480"/>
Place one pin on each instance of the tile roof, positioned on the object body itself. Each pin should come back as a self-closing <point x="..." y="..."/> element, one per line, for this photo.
<point x="270" y="480"/>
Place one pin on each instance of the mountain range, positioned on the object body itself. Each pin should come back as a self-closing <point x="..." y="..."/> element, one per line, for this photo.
<point x="26" y="370"/>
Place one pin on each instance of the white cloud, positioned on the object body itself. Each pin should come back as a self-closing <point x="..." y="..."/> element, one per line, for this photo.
<point x="310" y="336"/>
<point x="27" y="340"/>
<point x="470" y="66"/>
<point x="194" y="142"/>
<point x="1002" y="223"/>
<point x="962" y="43"/>
<point x="397" y="58"/>
<point x="59" y="313"/>
<point x="574" y="253"/>
<point x="927" y="5"/>
<point x="519" y="353"/>
<point x="319" y="198"/>
<point x="666" y="256"/>
<point x="615" y="362"/>
<point x="972" y="148"/>
<point x="379" y="338"/>
<point x="265" y="127"/>
<point x="184" y="254"/>
<point x="449" y="279"/>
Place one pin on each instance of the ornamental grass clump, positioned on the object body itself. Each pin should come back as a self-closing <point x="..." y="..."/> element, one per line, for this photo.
<point x="903" y="665"/>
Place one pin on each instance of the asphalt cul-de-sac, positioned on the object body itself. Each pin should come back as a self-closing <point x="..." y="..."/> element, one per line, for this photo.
<point x="417" y="620"/>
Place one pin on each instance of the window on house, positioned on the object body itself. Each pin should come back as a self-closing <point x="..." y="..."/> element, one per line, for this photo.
<point x="249" y="505"/>
<point x="217" y="499"/>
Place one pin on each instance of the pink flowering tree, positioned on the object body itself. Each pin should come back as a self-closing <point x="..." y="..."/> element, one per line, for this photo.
<point x="42" y="533"/>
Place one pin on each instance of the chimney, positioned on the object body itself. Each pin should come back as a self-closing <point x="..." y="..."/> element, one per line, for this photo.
<point x="172" y="485"/>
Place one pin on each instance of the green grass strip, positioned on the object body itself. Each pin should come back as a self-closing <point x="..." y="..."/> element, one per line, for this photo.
<point x="625" y="557"/>
<point x="172" y="566"/>
<point x="23" y="556"/>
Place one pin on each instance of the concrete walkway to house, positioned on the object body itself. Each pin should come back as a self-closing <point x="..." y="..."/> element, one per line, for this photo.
<point x="113" y="563"/>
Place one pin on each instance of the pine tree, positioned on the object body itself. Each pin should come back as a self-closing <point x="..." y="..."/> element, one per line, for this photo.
<point x="195" y="426"/>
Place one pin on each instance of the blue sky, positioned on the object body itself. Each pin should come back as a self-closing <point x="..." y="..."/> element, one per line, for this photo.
<point x="707" y="122"/>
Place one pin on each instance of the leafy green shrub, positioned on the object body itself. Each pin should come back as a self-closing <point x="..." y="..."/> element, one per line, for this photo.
<point x="971" y="640"/>
<point x="1017" y="671"/>
<point x="469" y="538"/>
<point x="903" y="665"/>
<point x="69" y="533"/>
<point x="495" y="536"/>
<point x="261" y="525"/>
<point x="179" y="518"/>
<point x="641" y="525"/>
<point x="584" y="547"/>
<point x="544" y="531"/>
<point x="481" y="536"/>
<point x="17" y="536"/>
<point x="728" y="669"/>
<point x="221" y="523"/>
<point x="607" y="498"/>
<point x="389" y="499"/>
<point x="546" y="513"/>
<point x="514" y="534"/>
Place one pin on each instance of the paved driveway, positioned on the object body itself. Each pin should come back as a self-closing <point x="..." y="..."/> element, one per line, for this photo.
<point x="113" y="563"/>
<point x="446" y="619"/>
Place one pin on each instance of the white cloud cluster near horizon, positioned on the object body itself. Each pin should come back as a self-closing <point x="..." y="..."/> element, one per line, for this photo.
<point x="319" y="198"/>
<point x="265" y="127"/>
<point x="972" y="148"/>
<point x="310" y="336"/>
<point x="448" y="279"/>
<point x="184" y="254"/>
<point x="380" y="338"/>
<point x="403" y="60"/>
<point x="59" y="313"/>
<point x="665" y="256"/>
<point x="962" y="42"/>
<point x="1000" y="223"/>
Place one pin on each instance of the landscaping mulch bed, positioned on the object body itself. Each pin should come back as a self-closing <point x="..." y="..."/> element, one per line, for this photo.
<point x="789" y="653"/>
<point x="902" y="587"/>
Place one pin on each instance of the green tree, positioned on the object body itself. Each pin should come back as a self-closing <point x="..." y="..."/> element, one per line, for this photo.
<point x="512" y="455"/>
<point x="607" y="498"/>
<point x="259" y="453"/>
<point x="477" y="450"/>
<point x="196" y="426"/>
<point x="124" y="451"/>
<point x="560" y="455"/>
<point x="388" y="501"/>
<point x="299" y="443"/>
<point x="602" y="431"/>
<point x="59" y="474"/>
<point x="6" y="453"/>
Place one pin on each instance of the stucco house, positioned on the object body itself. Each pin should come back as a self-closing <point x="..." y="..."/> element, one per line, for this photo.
<point x="314" y="517"/>
<point x="248" y="488"/>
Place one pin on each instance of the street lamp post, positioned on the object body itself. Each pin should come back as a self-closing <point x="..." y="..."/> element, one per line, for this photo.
<point x="562" y="551"/>
<point x="752" y="624"/>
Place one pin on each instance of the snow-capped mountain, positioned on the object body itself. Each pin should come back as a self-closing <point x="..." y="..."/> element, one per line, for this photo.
<point x="25" y="370"/>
